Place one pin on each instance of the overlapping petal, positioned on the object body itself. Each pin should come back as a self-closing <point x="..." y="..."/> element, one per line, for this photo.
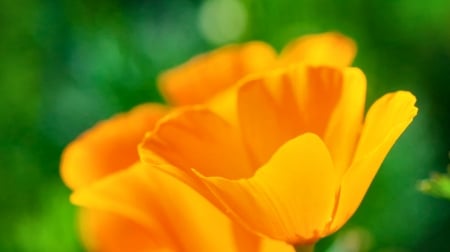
<point x="291" y="198"/>
<point x="261" y="111"/>
<point x="345" y="123"/>
<point x="177" y="220"/>
<point x="198" y="138"/>
<point x="103" y="231"/>
<point x="109" y="146"/>
<point x="206" y="75"/>
<point x="124" y="209"/>
<point x="326" y="101"/>
<point x="386" y="120"/>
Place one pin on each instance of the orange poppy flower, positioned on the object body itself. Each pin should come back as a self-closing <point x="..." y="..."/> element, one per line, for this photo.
<point x="132" y="207"/>
<point x="102" y="165"/>
<point x="297" y="160"/>
<point x="197" y="81"/>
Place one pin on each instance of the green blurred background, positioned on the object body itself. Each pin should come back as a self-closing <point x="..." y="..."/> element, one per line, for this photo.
<point x="64" y="65"/>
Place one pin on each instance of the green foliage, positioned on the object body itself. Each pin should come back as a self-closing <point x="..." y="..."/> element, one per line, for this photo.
<point x="52" y="228"/>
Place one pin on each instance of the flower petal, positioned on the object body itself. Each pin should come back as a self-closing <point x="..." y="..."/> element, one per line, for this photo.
<point x="331" y="49"/>
<point x="175" y="215"/>
<point x="291" y="198"/>
<point x="268" y="121"/>
<point x="285" y="103"/>
<point x="385" y="122"/>
<point x="206" y="75"/>
<point x="198" y="138"/>
<point x="104" y="231"/>
<point x="345" y="123"/>
<point x="89" y="157"/>
<point x="318" y="95"/>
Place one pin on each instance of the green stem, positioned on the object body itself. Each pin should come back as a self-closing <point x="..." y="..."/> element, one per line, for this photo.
<point x="305" y="248"/>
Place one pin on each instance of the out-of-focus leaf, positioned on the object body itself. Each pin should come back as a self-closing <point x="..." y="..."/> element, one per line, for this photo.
<point x="53" y="228"/>
<point x="437" y="185"/>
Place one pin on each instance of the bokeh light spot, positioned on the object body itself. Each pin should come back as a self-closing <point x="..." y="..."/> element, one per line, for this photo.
<point x="222" y="21"/>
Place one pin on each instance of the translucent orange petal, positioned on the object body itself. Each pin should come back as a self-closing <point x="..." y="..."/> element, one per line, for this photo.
<point x="332" y="49"/>
<point x="345" y="123"/>
<point x="161" y="204"/>
<point x="204" y="76"/>
<point x="318" y="94"/>
<point x="198" y="138"/>
<point x="103" y="231"/>
<point x="268" y="119"/>
<point x="175" y="215"/>
<point x="224" y="104"/>
<point x="291" y="198"/>
<point x="385" y="122"/>
<point x="109" y="146"/>
<point x="279" y="105"/>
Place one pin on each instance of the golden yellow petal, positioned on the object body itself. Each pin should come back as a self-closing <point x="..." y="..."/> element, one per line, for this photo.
<point x="175" y="215"/>
<point x="386" y="120"/>
<point x="345" y="123"/>
<point x="291" y="198"/>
